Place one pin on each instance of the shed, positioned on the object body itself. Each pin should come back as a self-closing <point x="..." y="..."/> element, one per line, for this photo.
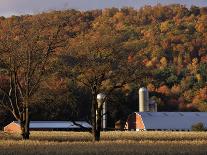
<point x="179" y="121"/>
<point x="14" y="127"/>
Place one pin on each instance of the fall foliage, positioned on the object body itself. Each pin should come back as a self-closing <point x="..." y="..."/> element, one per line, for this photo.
<point x="167" y="44"/>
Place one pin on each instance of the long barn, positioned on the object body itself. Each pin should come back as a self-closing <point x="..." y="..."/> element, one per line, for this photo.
<point x="14" y="127"/>
<point x="181" y="121"/>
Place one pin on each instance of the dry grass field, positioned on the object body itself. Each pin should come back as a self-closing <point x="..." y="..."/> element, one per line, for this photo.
<point x="116" y="143"/>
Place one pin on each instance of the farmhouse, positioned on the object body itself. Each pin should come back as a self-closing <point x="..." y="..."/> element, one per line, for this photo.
<point x="14" y="127"/>
<point x="181" y="121"/>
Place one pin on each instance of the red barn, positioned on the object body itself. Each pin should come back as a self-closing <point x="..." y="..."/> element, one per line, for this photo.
<point x="12" y="128"/>
<point x="181" y="121"/>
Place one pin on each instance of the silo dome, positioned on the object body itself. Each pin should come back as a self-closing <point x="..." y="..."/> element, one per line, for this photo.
<point x="101" y="96"/>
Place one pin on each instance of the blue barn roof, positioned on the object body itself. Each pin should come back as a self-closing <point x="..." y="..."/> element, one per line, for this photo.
<point x="57" y="124"/>
<point x="172" y="120"/>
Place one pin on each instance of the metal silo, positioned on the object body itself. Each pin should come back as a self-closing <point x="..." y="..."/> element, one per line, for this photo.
<point x="101" y="102"/>
<point x="104" y="119"/>
<point x="143" y="100"/>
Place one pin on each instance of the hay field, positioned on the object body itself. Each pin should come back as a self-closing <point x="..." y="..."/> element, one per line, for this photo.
<point x="116" y="143"/>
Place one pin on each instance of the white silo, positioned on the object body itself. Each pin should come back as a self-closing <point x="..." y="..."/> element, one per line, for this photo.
<point x="104" y="118"/>
<point x="143" y="100"/>
<point x="101" y="102"/>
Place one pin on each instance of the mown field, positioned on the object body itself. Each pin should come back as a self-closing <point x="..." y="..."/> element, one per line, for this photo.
<point x="116" y="143"/>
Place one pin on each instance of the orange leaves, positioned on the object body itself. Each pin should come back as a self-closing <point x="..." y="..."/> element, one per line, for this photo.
<point x="200" y="99"/>
<point x="120" y="26"/>
<point x="130" y="58"/>
<point x="201" y="25"/>
<point x="119" y="16"/>
<point x="202" y="93"/>
<point x="201" y="96"/>
<point x="176" y="90"/>
<point x="164" y="90"/>
<point x="193" y="67"/>
<point x="55" y="83"/>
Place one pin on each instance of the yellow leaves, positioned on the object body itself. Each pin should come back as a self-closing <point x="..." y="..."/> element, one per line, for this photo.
<point x="163" y="63"/>
<point x="107" y="84"/>
<point x="188" y="95"/>
<point x="199" y="77"/>
<point x="193" y="67"/>
<point x="201" y="25"/>
<point x="194" y="61"/>
<point x="151" y="87"/>
<point x="164" y="27"/>
<point x="149" y="64"/>
<point x="95" y="25"/>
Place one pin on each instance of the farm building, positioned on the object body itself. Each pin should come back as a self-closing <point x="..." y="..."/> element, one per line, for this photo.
<point x="14" y="127"/>
<point x="181" y="121"/>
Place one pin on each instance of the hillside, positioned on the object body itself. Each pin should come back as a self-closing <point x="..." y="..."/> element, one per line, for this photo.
<point x="169" y="42"/>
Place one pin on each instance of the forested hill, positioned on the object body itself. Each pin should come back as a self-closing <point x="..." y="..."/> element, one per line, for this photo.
<point x="171" y="41"/>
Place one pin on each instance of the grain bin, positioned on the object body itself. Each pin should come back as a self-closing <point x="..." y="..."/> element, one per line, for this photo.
<point x="143" y="100"/>
<point x="101" y="102"/>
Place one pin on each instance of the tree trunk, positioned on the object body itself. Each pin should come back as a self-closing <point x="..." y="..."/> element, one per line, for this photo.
<point x="27" y="133"/>
<point x="25" y="122"/>
<point x="98" y="125"/>
<point x="94" y="110"/>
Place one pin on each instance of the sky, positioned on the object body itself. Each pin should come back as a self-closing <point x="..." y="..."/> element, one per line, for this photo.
<point x="19" y="7"/>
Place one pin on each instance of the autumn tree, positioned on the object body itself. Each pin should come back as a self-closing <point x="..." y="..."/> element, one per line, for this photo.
<point x="98" y="62"/>
<point x="27" y="50"/>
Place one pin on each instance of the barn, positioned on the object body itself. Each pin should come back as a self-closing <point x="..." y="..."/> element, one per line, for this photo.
<point x="14" y="127"/>
<point x="178" y="121"/>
